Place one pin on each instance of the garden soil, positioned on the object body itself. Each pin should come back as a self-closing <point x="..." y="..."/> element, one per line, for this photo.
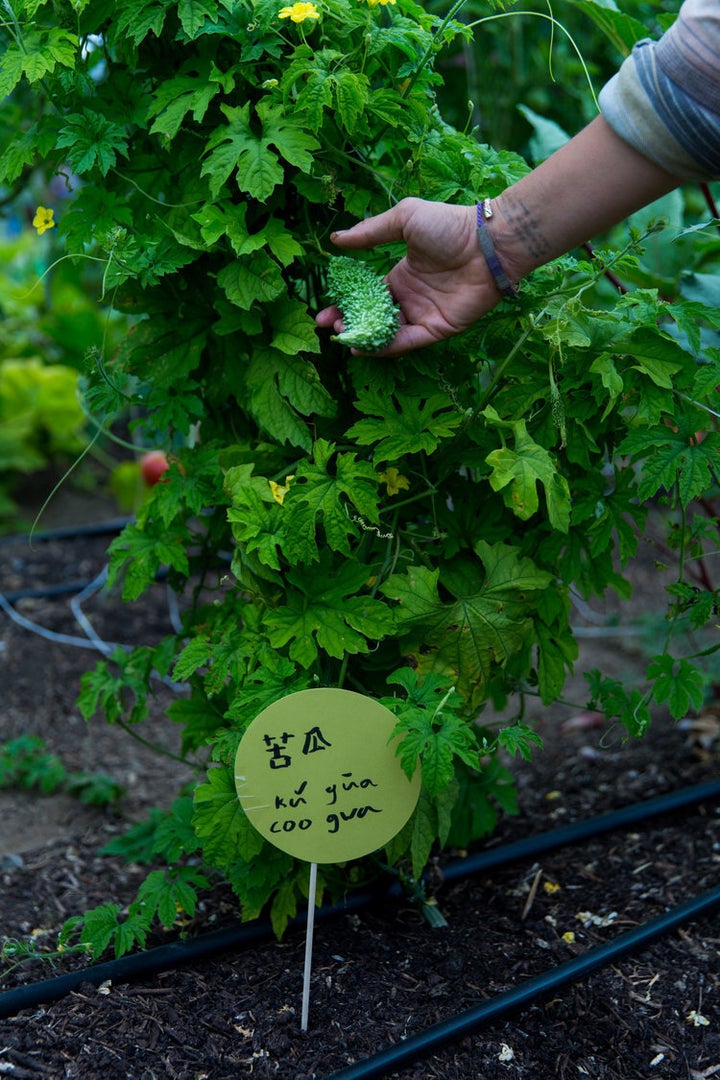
<point x="381" y="974"/>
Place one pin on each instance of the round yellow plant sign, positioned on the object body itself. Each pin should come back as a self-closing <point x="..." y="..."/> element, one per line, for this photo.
<point x="317" y="775"/>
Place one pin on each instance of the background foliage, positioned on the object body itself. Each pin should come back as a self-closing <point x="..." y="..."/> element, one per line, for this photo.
<point x="320" y="515"/>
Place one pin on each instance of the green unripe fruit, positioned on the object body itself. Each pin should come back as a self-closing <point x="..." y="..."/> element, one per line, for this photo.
<point x="369" y="313"/>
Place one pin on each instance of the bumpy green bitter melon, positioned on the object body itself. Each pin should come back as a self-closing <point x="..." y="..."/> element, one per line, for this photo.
<point x="369" y="314"/>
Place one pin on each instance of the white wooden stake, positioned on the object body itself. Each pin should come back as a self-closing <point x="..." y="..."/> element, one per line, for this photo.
<point x="308" y="946"/>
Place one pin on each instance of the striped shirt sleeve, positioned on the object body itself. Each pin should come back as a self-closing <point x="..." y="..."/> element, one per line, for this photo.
<point x="665" y="99"/>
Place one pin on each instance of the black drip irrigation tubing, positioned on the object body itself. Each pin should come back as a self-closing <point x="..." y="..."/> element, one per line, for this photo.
<point x="69" y="532"/>
<point x="227" y="939"/>
<point x="64" y="532"/>
<point x="540" y="986"/>
<point x="48" y="592"/>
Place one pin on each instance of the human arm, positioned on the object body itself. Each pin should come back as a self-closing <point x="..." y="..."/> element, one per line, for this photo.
<point x="443" y="284"/>
<point x="660" y="126"/>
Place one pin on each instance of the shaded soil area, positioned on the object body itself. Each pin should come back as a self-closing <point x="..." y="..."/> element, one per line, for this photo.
<point x="380" y="974"/>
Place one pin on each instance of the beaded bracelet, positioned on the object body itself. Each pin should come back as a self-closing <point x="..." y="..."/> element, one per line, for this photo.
<point x="503" y="282"/>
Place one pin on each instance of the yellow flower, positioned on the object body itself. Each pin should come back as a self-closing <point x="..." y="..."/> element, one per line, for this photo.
<point x="43" y="220"/>
<point x="395" y="481"/>
<point x="279" y="491"/>
<point x="568" y="937"/>
<point x="374" y="3"/>
<point x="551" y="887"/>
<point x="299" y="12"/>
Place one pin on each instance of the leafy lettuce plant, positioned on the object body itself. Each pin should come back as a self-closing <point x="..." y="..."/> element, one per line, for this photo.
<point x="409" y="529"/>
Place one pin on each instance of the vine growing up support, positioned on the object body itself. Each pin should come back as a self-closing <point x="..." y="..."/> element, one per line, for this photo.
<point x="412" y="530"/>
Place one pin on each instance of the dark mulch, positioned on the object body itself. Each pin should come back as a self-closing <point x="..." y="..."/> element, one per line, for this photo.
<point x="380" y="975"/>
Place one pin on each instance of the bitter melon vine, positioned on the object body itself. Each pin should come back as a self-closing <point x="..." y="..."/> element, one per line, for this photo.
<point x="411" y="530"/>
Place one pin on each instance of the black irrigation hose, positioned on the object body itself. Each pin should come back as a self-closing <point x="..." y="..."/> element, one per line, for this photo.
<point x="532" y="846"/>
<point x="47" y="592"/>
<point x="64" y="532"/>
<point x="148" y="962"/>
<point x="69" y="532"/>
<point x="540" y="986"/>
<point x="236" y="936"/>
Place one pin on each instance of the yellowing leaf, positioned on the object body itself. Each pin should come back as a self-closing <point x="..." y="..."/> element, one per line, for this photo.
<point x="517" y="472"/>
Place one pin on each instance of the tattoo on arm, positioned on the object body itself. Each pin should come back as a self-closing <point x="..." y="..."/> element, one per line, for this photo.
<point x="525" y="228"/>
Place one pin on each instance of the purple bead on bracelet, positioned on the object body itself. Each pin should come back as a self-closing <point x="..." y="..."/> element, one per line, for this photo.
<point x="503" y="282"/>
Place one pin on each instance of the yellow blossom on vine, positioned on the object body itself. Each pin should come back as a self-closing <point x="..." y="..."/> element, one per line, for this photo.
<point x="394" y="480"/>
<point x="374" y="3"/>
<point x="299" y="12"/>
<point x="43" y="220"/>
<point x="279" y="491"/>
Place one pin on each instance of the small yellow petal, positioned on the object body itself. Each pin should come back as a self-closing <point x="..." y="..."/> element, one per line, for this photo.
<point x="394" y="480"/>
<point x="568" y="937"/>
<point x="43" y="220"/>
<point x="299" y="12"/>
<point x="551" y="887"/>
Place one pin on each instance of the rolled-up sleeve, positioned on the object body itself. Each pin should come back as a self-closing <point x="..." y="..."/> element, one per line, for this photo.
<point x="665" y="99"/>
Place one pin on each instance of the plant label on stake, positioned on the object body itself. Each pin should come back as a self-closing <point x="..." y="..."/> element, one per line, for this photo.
<point x="318" y="777"/>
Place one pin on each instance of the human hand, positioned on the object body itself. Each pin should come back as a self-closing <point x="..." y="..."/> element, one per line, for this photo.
<point x="442" y="285"/>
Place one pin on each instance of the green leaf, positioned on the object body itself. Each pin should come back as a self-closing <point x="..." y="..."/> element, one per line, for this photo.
<point x="200" y="721"/>
<point x="352" y="92"/>
<point x="322" y="612"/>
<point x="425" y="829"/>
<point x="518" y="472"/>
<point x="39" y="54"/>
<point x="100" y="927"/>
<point x="11" y="69"/>
<point x="283" y="907"/>
<point x="519" y="739"/>
<point x="547" y="136"/>
<point x="557" y="650"/>
<point x="294" y="329"/>
<point x="137" y="18"/>
<point x="674" y="458"/>
<point x="254" y="278"/>
<point x="622" y="30"/>
<point x="237" y="146"/>
<point x="256" y="518"/>
<point x="140" y="555"/>
<point x="92" y="141"/>
<point x="604" y="366"/>
<point x="335" y="491"/>
<point x="403" y="425"/>
<point x="175" y="98"/>
<point x="194" y="13"/>
<point x="469" y="636"/>
<point x="170" y="894"/>
<point x="316" y="96"/>
<point x="278" y="387"/>
<point x="677" y="682"/>
<point x="480" y="793"/>
<point x="221" y="823"/>
<point x="254" y="883"/>
<point x="174" y="836"/>
<point x="437" y="738"/>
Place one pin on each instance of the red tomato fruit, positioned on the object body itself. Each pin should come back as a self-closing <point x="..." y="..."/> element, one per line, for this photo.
<point x="152" y="466"/>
